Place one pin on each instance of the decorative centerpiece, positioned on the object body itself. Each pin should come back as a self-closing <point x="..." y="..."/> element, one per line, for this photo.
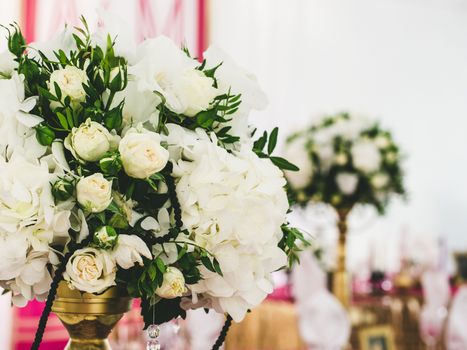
<point x="344" y="161"/>
<point x="134" y="174"/>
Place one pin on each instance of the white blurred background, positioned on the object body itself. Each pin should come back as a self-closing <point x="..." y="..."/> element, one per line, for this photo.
<point x="401" y="61"/>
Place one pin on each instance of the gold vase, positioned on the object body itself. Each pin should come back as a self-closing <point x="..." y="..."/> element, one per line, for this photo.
<point x="90" y="318"/>
<point x="340" y="277"/>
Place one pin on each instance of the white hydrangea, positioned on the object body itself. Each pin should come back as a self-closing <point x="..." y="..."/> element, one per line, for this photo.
<point x="16" y="123"/>
<point x="231" y="77"/>
<point x="29" y="223"/>
<point x="234" y="204"/>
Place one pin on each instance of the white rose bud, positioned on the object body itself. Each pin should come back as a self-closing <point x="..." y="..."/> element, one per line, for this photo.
<point x="94" y="192"/>
<point x="142" y="154"/>
<point x="90" y="141"/>
<point x="379" y="181"/>
<point x="340" y="159"/>
<point x="90" y="270"/>
<point x="173" y="285"/>
<point x="70" y="81"/>
<point x="105" y="237"/>
<point x="382" y="142"/>
<point x="196" y="90"/>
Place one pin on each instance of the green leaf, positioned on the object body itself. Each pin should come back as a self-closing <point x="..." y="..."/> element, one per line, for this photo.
<point x="152" y="272"/>
<point x="207" y="263"/>
<point x="113" y="118"/>
<point x="100" y="216"/>
<point x="272" y="140"/>
<point x="161" y="265"/>
<point x="58" y="92"/>
<point x="210" y="72"/>
<point x="205" y="119"/>
<point x="283" y="164"/>
<point x="261" y="142"/>
<point x="119" y="221"/>
<point x="217" y="266"/>
<point x="45" y="135"/>
<point x="47" y="94"/>
<point x="63" y="121"/>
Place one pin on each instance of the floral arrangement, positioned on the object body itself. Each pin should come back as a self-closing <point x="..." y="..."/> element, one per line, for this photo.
<point x="137" y="168"/>
<point x="344" y="160"/>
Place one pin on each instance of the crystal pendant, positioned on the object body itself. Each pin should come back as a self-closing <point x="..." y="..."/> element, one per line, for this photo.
<point x="153" y="331"/>
<point x="153" y="344"/>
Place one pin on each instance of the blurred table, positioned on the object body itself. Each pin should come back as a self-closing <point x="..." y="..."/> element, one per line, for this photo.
<point x="271" y="326"/>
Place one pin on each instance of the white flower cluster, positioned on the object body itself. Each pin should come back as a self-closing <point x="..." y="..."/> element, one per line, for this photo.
<point x="344" y="160"/>
<point x="119" y="127"/>
<point x="234" y="204"/>
<point x="29" y="223"/>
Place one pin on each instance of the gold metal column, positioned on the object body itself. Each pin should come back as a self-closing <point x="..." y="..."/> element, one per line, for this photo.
<point x="340" y="277"/>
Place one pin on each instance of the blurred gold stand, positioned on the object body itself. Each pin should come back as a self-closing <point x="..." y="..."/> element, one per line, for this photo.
<point x="340" y="277"/>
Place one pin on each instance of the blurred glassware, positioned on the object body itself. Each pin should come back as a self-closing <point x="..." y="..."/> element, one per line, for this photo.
<point x="432" y="319"/>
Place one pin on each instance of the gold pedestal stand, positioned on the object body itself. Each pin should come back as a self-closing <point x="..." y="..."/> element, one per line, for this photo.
<point x="89" y="318"/>
<point x="340" y="277"/>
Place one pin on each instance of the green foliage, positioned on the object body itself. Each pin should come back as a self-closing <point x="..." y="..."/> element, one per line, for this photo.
<point x="271" y="141"/>
<point x="292" y="243"/>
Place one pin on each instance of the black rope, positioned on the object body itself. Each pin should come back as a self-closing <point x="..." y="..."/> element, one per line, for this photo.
<point x="223" y="334"/>
<point x="53" y="290"/>
<point x="148" y="238"/>
<point x="175" y="203"/>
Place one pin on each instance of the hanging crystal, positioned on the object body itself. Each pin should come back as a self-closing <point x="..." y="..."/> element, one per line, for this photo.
<point x="153" y="331"/>
<point x="153" y="344"/>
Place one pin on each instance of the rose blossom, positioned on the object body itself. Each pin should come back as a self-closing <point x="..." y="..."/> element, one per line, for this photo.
<point x="90" y="270"/>
<point x="366" y="156"/>
<point x="94" y="192"/>
<point x="173" y="285"/>
<point x="142" y="154"/>
<point x="347" y="183"/>
<point x="90" y="141"/>
<point x="70" y="81"/>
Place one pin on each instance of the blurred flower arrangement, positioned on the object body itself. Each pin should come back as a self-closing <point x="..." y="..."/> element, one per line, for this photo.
<point x="344" y="160"/>
<point x="140" y="166"/>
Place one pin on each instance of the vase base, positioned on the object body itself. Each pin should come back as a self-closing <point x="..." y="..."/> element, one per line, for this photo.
<point x="98" y="344"/>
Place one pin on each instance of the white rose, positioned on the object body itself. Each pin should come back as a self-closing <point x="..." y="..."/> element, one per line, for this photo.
<point x="129" y="250"/>
<point x="382" y="142"/>
<point x="340" y="159"/>
<point x="297" y="153"/>
<point x="347" y="183"/>
<point x="142" y="154"/>
<point x="379" y="180"/>
<point x="90" y="141"/>
<point x="70" y="81"/>
<point x="94" y="192"/>
<point x="195" y="91"/>
<point x="366" y="156"/>
<point x="90" y="270"/>
<point x="173" y="285"/>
